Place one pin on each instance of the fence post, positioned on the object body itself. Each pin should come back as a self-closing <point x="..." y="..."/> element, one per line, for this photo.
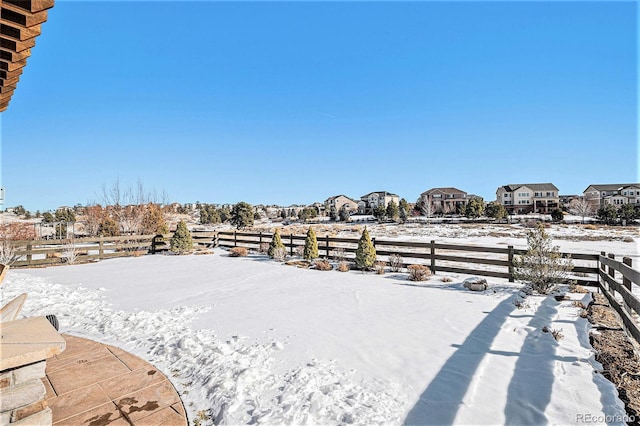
<point x="625" y="281"/>
<point x="612" y="272"/>
<point x="29" y="255"/>
<point x="100" y="247"/>
<point x="290" y="244"/>
<point x="511" y="277"/>
<point x="603" y="254"/>
<point x="326" y="245"/>
<point x="433" y="256"/>
<point x="235" y="239"/>
<point x="260" y="243"/>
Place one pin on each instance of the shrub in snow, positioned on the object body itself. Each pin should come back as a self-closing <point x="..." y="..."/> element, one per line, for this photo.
<point x="419" y="272"/>
<point x="264" y="248"/>
<point x="238" y="252"/>
<point x="343" y="267"/>
<point x="542" y="266"/>
<point x="279" y="254"/>
<point x="310" y="246"/>
<point x="322" y="265"/>
<point x="181" y="241"/>
<point x="379" y="267"/>
<point x="446" y="280"/>
<point x="395" y="262"/>
<point x="276" y="243"/>
<point x="108" y="227"/>
<point x="339" y="254"/>
<point x="366" y="252"/>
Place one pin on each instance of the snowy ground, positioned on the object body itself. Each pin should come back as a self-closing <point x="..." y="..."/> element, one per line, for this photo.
<point x="253" y="341"/>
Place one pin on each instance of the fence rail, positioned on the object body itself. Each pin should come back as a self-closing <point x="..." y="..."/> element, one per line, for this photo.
<point x="498" y="262"/>
<point x="466" y="259"/>
<point x="620" y="293"/>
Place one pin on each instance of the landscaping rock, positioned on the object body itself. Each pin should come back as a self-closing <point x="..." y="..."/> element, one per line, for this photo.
<point x="475" y="284"/>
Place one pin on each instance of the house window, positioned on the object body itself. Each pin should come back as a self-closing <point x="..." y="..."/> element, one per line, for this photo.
<point x="507" y="195"/>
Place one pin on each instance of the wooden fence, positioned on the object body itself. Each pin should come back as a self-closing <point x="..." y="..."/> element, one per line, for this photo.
<point x="52" y="252"/>
<point x="495" y="261"/>
<point x="620" y="293"/>
<point x="464" y="259"/>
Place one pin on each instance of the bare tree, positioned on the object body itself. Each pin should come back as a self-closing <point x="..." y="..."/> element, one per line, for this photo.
<point x="427" y="209"/>
<point x="129" y="205"/>
<point x="580" y="207"/>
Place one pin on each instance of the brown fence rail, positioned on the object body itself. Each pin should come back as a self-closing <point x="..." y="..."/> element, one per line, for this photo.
<point x="495" y="261"/>
<point x="620" y="293"/>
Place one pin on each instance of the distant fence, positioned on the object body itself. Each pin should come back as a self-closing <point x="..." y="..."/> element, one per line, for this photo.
<point x="464" y="259"/>
<point x="620" y="293"/>
<point x="495" y="261"/>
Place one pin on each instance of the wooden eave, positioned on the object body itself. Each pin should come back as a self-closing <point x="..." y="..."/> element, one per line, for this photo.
<point x="20" y="24"/>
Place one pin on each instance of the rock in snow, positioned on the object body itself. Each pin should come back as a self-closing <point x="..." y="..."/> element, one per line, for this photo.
<point x="475" y="284"/>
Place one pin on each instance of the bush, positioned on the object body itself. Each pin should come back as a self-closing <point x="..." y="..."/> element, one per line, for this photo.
<point x="310" y="246"/>
<point x="542" y="266"/>
<point x="395" y="262"/>
<point x="366" y="252"/>
<point x="279" y="254"/>
<point x="379" y="267"/>
<point x="264" y="248"/>
<point x="322" y="265"/>
<point x="238" y="252"/>
<point x="276" y="243"/>
<point x="343" y="267"/>
<point x="181" y="241"/>
<point x="419" y="272"/>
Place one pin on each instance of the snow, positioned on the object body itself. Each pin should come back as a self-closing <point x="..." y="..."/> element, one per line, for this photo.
<point x="255" y="341"/>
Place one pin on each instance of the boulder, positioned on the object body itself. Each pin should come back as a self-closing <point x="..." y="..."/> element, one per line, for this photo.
<point x="475" y="284"/>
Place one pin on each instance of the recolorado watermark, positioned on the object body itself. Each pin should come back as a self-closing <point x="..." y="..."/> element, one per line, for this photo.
<point x="604" y="418"/>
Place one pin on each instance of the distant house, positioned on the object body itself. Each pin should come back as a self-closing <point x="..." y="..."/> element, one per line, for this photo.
<point x="616" y="194"/>
<point x="338" y="202"/>
<point x="370" y="201"/>
<point x="528" y="198"/>
<point x="444" y="200"/>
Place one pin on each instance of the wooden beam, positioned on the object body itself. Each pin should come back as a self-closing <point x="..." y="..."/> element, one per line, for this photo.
<point x="22" y="17"/>
<point x="17" y="46"/>
<point x="9" y="81"/>
<point x="6" y="96"/>
<point x="7" y="89"/>
<point x="8" y="55"/>
<point x="12" y="66"/>
<point x="32" y="5"/>
<point x="19" y="33"/>
<point x="10" y="74"/>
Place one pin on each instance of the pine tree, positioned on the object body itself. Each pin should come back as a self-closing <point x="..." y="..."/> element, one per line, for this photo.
<point x="392" y="210"/>
<point x="153" y="221"/>
<point x="542" y="266"/>
<point x="242" y="215"/>
<point x="310" y="245"/>
<point x="276" y="243"/>
<point x="108" y="227"/>
<point x="475" y="208"/>
<point x="403" y="209"/>
<point x="181" y="241"/>
<point x="366" y="252"/>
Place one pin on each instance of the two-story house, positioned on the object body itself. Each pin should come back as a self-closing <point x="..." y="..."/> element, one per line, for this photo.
<point x="444" y="200"/>
<point x="372" y="200"/>
<point x="616" y="194"/>
<point x="340" y="201"/>
<point x="528" y="198"/>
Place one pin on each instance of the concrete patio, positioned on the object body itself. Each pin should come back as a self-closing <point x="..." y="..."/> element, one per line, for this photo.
<point x="95" y="384"/>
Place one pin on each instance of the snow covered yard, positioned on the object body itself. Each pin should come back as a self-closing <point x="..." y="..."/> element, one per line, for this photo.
<point x="249" y="340"/>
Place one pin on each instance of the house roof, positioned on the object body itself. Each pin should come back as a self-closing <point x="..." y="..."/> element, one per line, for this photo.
<point x="449" y="190"/>
<point x="533" y="186"/>
<point x="336" y="196"/>
<point x="383" y="193"/>
<point x="610" y="186"/>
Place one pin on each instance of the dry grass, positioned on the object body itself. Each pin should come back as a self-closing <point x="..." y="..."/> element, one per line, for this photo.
<point x="419" y="272"/>
<point x="343" y="267"/>
<point x="446" y="279"/>
<point x="238" y="252"/>
<point x="379" y="267"/>
<point x="322" y="265"/>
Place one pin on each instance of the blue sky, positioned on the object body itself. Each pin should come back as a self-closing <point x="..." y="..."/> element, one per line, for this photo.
<point x="292" y="102"/>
